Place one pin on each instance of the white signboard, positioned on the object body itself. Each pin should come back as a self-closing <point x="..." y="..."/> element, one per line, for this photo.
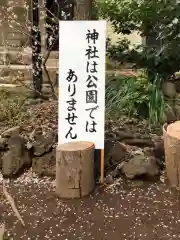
<point x="82" y="81"/>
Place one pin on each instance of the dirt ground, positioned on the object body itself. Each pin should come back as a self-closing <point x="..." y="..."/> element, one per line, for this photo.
<point x="122" y="211"/>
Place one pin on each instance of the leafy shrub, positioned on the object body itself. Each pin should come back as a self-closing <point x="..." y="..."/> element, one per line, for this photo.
<point x="135" y="97"/>
<point x="159" y="22"/>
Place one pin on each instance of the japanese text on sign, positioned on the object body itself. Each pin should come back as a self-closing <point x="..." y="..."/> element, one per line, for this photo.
<point x="82" y="81"/>
<point x="92" y="54"/>
<point x="71" y="110"/>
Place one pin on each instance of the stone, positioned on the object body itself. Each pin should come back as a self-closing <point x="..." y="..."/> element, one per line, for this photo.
<point x="140" y="165"/>
<point x="43" y="144"/>
<point x="137" y="183"/>
<point x="116" y="173"/>
<point x="109" y="179"/>
<point x="29" y="145"/>
<point x="115" y="152"/>
<point x="1" y="154"/>
<point x="118" y="170"/>
<point x="139" y="142"/>
<point x="16" y="159"/>
<point x="162" y="178"/>
<point x="107" y="152"/>
<point x="35" y="133"/>
<point x="177" y="85"/>
<point x="3" y="144"/>
<point x="177" y="107"/>
<point x="159" y="150"/>
<point x="120" y="166"/>
<point x="169" y="89"/>
<point x="11" y="132"/>
<point x="148" y="151"/>
<point x="160" y="163"/>
<point x="45" y="165"/>
<point x="118" y="152"/>
<point x="170" y="112"/>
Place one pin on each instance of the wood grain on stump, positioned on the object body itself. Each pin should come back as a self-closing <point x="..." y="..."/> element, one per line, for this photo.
<point x="172" y="152"/>
<point x="75" y="169"/>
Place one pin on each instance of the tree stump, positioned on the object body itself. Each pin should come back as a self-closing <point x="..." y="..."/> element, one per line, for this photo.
<point x="75" y="169"/>
<point x="172" y="152"/>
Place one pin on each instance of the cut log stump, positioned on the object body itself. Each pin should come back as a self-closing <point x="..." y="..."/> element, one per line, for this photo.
<point x="75" y="169"/>
<point x="172" y="152"/>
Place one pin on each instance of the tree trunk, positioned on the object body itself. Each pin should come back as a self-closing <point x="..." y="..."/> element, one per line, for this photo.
<point x="83" y="9"/>
<point x="75" y="169"/>
<point x="172" y="152"/>
<point x="36" y="51"/>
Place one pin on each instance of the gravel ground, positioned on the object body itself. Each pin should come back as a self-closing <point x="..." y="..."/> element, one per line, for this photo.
<point x="122" y="211"/>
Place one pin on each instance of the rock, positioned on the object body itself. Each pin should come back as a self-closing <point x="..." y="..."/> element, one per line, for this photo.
<point x="43" y="144"/>
<point x="162" y="178"/>
<point x="139" y="142"/>
<point x="16" y="159"/>
<point x="137" y="183"/>
<point x="116" y="173"/>
<point x="177" y="85"/>
<point x="11" y="132"/>
<point x="170" y="111"/>
<point x="109" y="124"/>
<point x="109" y="180"/>
<point x="169" y="89"/>
<point x="177" y="107"/>
<point x="118" y="152"/>
<point x="107" y="152"/>
<point x="118" y="170"/>
<point x="29" y="145"/>
<point x="160" y="163"/>
<point x="171" y="117"/>
<point x="3" y="144"/>
<point x="159" y="150"/>
<point x="1" y="154"/>
<point x="140" y="165"/>
<point x="121" y="135"/>
<point x="35" y="133"/>
<point x="138" y="151"/>
<point x="45" y="165"/>
<point x="115" y="152"/>
<point x="148" y="151"/>
<point x="120" y="166"/>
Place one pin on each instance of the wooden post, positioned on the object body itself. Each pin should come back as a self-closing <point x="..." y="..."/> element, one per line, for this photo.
<point x="172" y="152"/>
<point x="75" y="169"/>
<point x="102" y="166"/>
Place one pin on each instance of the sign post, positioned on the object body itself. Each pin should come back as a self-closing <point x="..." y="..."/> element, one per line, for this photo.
<point x="82" y="49"/>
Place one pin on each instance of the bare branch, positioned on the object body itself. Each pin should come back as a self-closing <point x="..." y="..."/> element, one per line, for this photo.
<point x="24" y="29"/>
<point x="13" y="206"/>
<point x="17" y="79"/>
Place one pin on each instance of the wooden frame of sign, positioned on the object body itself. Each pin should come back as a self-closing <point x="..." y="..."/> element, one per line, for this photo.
<point x="82" y="82"/>
<point x="102" y="167"/>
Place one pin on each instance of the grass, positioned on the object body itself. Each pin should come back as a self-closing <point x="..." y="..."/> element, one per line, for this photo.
<point x="135" y="97"/>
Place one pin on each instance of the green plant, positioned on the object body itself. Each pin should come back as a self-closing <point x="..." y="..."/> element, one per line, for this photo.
<point x="95" y="11"/>
<point x="135" y="97"/>
<point x="155" y="20"/>
<point x="10" y="105"/>
<point x="157" y="105"/>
